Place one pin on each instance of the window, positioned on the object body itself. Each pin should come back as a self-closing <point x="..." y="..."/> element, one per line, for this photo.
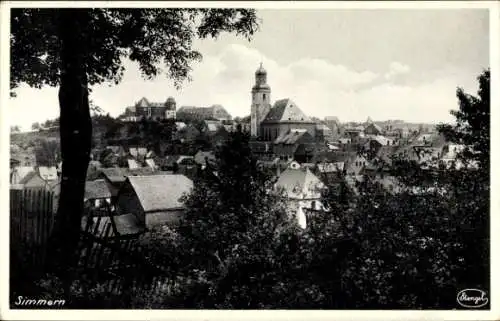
<point x="264" y="96"/>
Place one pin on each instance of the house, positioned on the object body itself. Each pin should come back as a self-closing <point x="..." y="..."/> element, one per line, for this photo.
<point x="216" y="112"/>
<point x="287" y="143"/>
<point x="115" y="177"/>
<point x="18" y="173"/>
<point x="302" y="190"/>
<point x="211" y="126"/>
<point x="377" y="142"/>
<point x="155" y="200"/>
<point x="355" y="165"/>
<point x="262" y="150"/>
<point x="143" y="109"/>
<point x="40" y="179"/>
<point x="97" y="192"/>
<point x="323" y="132"/>
<point x="373" y="129"/>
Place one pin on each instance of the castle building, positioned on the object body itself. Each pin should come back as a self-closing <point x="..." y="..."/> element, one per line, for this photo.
<point x="148" y="110"/>
<point x="271" y="122"/>
<point x="214" y="112"/>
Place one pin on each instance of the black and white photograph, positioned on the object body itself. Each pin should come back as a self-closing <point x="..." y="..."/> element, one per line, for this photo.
<point x="248" y="156"/>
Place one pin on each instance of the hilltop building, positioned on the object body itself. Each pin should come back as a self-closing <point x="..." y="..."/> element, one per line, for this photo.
<point x="214" y="112"/>
<point x="150" y="110"/>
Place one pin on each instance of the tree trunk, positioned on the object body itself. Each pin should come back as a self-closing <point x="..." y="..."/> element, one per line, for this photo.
<point x="76" y="136"/>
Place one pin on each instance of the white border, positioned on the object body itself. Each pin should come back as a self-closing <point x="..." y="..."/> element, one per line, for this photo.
<point x="494" y="314"/>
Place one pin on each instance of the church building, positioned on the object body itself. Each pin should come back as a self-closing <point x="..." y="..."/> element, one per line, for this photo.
<point x="269" y="122"/>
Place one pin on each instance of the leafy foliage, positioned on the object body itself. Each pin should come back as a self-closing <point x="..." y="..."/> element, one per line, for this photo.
<point x="235" y="234"/>
<point x="154" y="38"/>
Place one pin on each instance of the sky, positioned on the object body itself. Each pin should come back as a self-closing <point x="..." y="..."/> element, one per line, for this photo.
<point x="354" y="64"/>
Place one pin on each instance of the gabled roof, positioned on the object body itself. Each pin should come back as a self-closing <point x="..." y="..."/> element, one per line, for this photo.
<point x="300" y="183"/>
<point x="114" y="174"/>
<point x="285" y="110"/>
<point x="22" y="171"/>
<point x="377" y="127"/>
<point x="27" y="177"/>
<point x="143" y="102"/>
<point x="160" y="192"/>
<point x="97" y="189"/>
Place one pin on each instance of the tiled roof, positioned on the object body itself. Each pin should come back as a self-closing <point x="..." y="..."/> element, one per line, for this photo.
<point x="290" y="137"/>
<point x="97" y="189"/>
<point x="127" y="224"/>
<point x="28" y="177"/>
<point x="286" y="110"/>
<point x="160" y="192"/>
<point x="377" y="127"/>
<point x="21" y="172"/>
<point x="300" y="183"/>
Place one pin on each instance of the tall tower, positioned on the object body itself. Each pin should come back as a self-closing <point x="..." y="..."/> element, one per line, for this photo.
<point x="261" y="97"/>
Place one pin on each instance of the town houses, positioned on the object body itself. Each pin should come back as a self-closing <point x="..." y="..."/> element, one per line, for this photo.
<point x="138" y="183"/>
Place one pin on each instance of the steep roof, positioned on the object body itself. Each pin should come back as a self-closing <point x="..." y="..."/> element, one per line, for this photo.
<point x="160" y="192"/>
<point x="28" y="177"/>
<point x="290" y="137"/>
<point x="300" y="183"/>
<point x="143" y="102"/>
<point x="285" y="110"/>
<point x="118" y="175"/>
<point x="377" y="127"/>
<point x="97" y="189"/>
<point x="21" y="172"/>
<point x="114" y="174"/>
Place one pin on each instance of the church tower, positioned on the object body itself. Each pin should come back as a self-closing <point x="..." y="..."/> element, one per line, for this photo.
<point x="261" y="97"/>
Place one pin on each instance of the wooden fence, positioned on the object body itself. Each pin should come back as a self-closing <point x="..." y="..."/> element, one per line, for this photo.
<point x="31" y="223"/>
<point x="117" y="264"/>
